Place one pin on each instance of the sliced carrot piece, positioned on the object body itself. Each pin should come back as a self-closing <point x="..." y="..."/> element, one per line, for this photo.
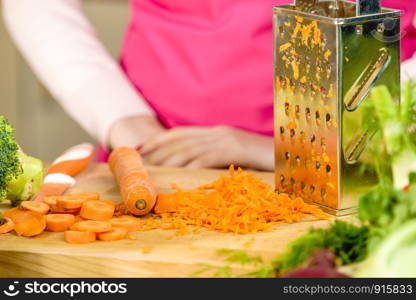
<point x="59" y="210"/>
<point x="38" y="207"/>
<point x="92" y="226"/>
<point x="78" y="218"/>
<point x="59" y="222"/>
<point x="114" y="234"/>
<point x="28" y="223"/>
<point x="50" y="200"/>
<point x="126" y="222"/>
<point x="168" y="203"/>
<point x="121" y="209"/>
<point x="6" y="225"/>
<point x="97" y="210"/>
<point x="110" y="202"/>
<point x="85" y="195"/>
<point x="12" y="212"/>
<point x="69" y="202"/>
<point x="79" y="237"/>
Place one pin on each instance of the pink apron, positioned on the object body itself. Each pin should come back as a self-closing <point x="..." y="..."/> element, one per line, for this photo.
<point x="210" y="62"/>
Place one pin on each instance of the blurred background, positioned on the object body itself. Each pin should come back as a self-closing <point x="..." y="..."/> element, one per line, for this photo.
<point x="43" y="129"/>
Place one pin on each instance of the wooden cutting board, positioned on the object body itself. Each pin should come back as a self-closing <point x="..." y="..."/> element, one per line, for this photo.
<point x="156" y="253"/>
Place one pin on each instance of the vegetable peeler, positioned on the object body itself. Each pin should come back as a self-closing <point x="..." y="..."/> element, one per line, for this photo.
<point x="328" y="55"/>
<point x="60" y="174"/>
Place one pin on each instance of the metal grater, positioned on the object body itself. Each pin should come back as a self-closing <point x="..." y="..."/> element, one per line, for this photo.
<point x="328" y="56"/>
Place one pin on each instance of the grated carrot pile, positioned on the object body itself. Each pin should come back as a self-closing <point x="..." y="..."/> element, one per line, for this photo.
<point x="239" y="203"/>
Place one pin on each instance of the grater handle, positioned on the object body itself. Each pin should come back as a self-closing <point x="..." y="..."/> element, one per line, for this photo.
<point x="363" y="7"/>
<point x="368" y="7"/>
<point x="304" y="2"/>
<point x="306" y="5"/>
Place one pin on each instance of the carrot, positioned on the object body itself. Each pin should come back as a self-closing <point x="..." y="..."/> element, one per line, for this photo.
<point x="75" y="200"/>
<point x="38" y="207"/>
<point x="114" y="234"/>
<point x="97" y="210"/>
<point x="69" y="202"/>
<point x="92" y="226"/>
<point x="136" y="188"/>
<point x="111" y="202"/>
<point x="28" y="223"/>
<point x="12" y="212"/>
<point x="74" y="197"/>
<point x="169" y="203"/>
<point x="239" y="203"/>
<point x="121" y="209"/>
<point x="85" y="195"/>
<point x="79" y="237"/>
<point x="127" y="222"/>
<point x="59" y="210"/>
<point x="59" y="222"/>
<point x="50" y="200"/>
<point x="6" y="225"/>
<point x="78" y="218"/>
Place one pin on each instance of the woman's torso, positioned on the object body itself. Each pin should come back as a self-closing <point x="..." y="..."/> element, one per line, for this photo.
<point x="210" y="62"/>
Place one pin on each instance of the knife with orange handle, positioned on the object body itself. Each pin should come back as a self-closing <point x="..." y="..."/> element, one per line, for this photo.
<point x="60" y="175"/>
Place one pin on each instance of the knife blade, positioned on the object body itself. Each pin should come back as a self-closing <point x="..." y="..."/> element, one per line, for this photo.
<point x="60" y="175"/>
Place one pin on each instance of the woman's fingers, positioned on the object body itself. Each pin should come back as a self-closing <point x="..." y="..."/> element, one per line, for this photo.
<point x="170" y="136"/>
<point x="179" y="152"/>
<point x="191" y="146"/>
<point x="197" y="147"/>
<point x="214" y="159"/>
<point x="182" y="157"/>
<point x="134" y="131"/>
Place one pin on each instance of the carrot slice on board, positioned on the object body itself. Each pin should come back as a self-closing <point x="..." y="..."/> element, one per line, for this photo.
<point x="79" y="237"/>
<point x="59" y="222"/>
<point x="59" y="210"/>
<point x="111" y="202"/>
<point x="78" y="218"/>
<point x="169" y="203"/>
<point x="69" y="202"/>
<point x="6" y="225"/>
<point x="92" y="226"/>
<point x="28" y="223"/>
<point x="136" y="188"/>
<point x="97" y="210"/>
<point x="12" y="212"/>
<point x="114" y="234"/>
<point x="85" y="195"/>
<point x="121" y="209"/>
<point x="126" y="222"/>
<point x="38" y="207"/>
<point x="50" y="200"/>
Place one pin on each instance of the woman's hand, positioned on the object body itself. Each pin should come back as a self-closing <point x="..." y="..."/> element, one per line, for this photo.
<point x="134" y="131"/>
<point x="201" y="147"/>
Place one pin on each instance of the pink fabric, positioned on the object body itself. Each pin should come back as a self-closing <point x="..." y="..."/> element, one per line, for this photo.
<point x="408" y="8"/>
<point x="102" y="154"/>
<point x="210" y="62"/>
<point x="204" y="62"/>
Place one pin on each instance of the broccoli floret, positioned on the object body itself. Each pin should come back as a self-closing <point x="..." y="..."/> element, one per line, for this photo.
<point x="26" y="185"/>
<point x="10" y="166"/>
<point x="20" y="175"/>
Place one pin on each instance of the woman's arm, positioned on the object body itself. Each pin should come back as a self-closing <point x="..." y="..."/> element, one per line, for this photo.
<point x="62" y="48"/>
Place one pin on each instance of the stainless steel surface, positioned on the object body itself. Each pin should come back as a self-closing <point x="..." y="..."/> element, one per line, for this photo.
<point x="325" y="66"/>
<point x="367" y="7"/>
<point x="306" y="5"/>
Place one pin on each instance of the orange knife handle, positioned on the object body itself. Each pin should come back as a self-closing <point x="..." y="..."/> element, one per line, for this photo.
<point x="73" y="160"/>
